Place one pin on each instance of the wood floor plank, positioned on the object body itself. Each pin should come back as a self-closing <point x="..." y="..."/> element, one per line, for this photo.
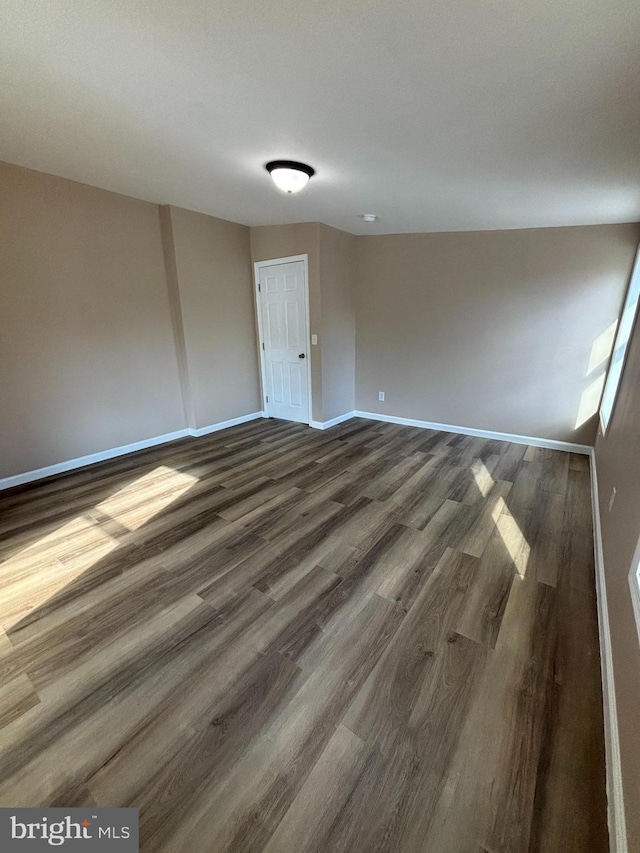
<point x="265" y="631"/>
<point x="322" y="797"/>
<point x="77" y="720"/>
<point x="16" y="697"/>
<point x="382" y="708"/>
<point x="410" y="563"/>
<point x="392" y="802"/>
<point x="314" y="633"/>
<point x="544" y="533"/>
<point x="478" y="537"/>
<point x="513" y="796"/>
<point x="564" y="816"/>
<point x="442" y="703"/>
<point x="60" y="640"/>
<point x="577" y="562"/>
<point x="481" y="616"/>
<point x="554" y="468"/>
<point x="244" y="812"/>
<point x="475" y="792"/>
<point x="509" y="457"/>
<point x="197" y="732"/>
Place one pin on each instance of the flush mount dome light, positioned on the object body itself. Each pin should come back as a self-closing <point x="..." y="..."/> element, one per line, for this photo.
<point x="288" y="175"/>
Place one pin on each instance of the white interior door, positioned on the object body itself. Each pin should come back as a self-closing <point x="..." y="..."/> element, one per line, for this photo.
<point x="283" y="310"/>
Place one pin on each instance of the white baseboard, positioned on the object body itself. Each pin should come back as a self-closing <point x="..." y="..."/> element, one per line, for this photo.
<point x="92" y="458"/>
<point x="549" y="443"/>
<point x="103" y="455"/>
<point x="333" y="422"/>
<point x="80" y="462"/>
<point x="243" y="419"/>
<point x="615" y="798"/>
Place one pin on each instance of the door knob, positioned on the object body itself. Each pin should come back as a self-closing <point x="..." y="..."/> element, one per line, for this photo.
<point x="301" y="355"/>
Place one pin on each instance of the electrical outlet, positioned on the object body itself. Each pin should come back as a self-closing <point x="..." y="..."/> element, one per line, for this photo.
<point x="314" y="340"/>
<point x="381" y="396"/>
<point x="612" y="498"/>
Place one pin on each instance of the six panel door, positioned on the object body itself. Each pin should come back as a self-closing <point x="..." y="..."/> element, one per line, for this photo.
<point x="284" y="330"/>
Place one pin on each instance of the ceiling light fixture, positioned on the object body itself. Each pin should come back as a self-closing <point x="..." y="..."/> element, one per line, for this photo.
<point x="369" y="217"/>
<point x="289" y="176"/>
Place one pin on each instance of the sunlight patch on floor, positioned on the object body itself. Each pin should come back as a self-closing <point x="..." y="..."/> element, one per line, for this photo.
<point x="145" y="497"/>
<point x="482" y="476"/>
<point x="36" y="574"/>
<point x="6" y="646"/>
<point x="76" y="537"/>
<point x="512" y="536"/>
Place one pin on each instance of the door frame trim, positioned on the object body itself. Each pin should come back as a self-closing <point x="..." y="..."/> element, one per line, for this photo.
<point x="272" y="262"/>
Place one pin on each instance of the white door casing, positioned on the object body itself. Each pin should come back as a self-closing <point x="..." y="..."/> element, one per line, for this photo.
<point x="283" y="324"/>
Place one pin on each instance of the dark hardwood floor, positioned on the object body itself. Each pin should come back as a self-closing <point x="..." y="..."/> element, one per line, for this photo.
<point x="374" y="638"/>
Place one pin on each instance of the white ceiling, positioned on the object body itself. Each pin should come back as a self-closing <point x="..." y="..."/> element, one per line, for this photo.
<point x="436" y="115"/>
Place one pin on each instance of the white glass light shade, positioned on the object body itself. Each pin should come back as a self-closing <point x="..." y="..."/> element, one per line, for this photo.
<point x="289" y="180"/>
<point x="288" y="175"/>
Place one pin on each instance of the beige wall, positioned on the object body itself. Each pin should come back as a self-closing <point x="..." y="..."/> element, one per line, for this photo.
<point x="213" y="271"/>
<point x="337" y="285"/>
<point x="618" y="464"/>
<point x="492" y="330"/>
<point x="283" y="241"/>
<point x="87" y="356"/>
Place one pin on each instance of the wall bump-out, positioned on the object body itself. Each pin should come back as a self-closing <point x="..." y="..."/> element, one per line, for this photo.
<point x="171" y="272"/>
<point x="333" y="422"/>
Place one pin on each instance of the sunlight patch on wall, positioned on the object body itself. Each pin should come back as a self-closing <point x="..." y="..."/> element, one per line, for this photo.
<point x="602" y="348"/>
<point x="590" y="400"/>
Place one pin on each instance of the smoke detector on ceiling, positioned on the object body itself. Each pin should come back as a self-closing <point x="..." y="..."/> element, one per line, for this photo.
<point x="369" y="217"/>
